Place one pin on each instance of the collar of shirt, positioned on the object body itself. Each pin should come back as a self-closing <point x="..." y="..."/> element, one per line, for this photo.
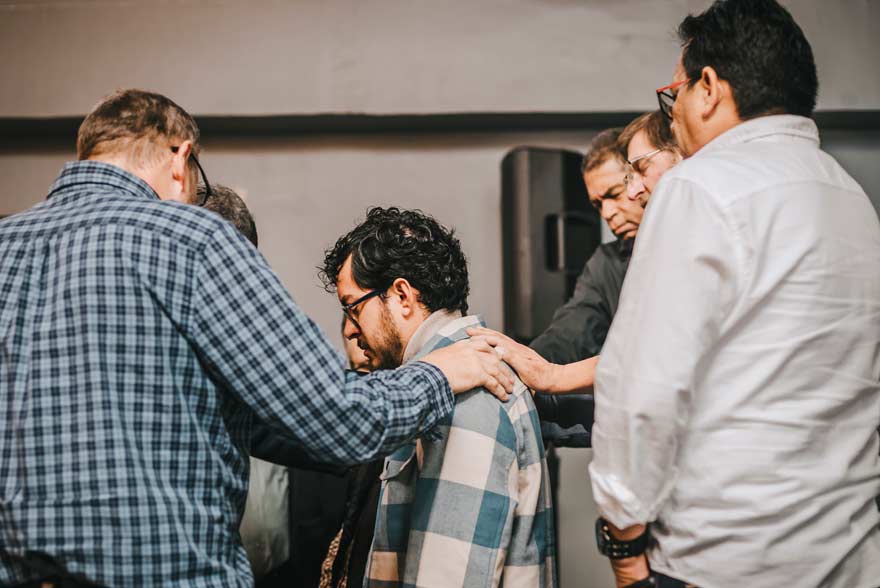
<point x="441" y="328"/>
<point x="765" y="127"/>
<point x="77" y="175"/>
<point x="429" y="327"/>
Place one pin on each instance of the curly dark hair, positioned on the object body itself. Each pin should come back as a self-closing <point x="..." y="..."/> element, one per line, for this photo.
<point x="758" y="48"/>
<point x="393" y="243"/>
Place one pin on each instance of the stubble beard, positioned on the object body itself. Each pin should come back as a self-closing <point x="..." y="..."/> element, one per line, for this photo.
<point x="387" y="348"/>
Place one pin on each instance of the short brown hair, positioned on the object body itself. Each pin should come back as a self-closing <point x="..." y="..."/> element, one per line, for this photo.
<point x="132" y="120"/>
<point x="657" y="128"/>
<point x="602" y="148"/>
<point x="228" y="204"/>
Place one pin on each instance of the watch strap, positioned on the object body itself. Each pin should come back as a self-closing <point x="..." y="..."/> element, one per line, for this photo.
<point x="614" y="548"/>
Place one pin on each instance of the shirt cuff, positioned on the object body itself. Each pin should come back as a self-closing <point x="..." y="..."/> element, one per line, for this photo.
<point x="616" y="503"/>
<point x="441" y="399"/>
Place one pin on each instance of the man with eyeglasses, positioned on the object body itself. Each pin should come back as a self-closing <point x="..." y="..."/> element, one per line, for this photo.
<point x="737" y="396"/>
<point x="579" y="327"/>
<point x="620" y="170"/>
<point x="467" y="504"/>
<point x="138" y="335"/>
<point x="651" y="151"/>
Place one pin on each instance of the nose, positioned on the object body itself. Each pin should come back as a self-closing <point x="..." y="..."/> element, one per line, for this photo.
<point x="608" y="210"/>
<point x="350" y="330"/>
<point x="635" y="187"/>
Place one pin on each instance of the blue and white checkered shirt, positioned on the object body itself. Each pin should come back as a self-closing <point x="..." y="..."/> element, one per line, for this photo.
<point x="471" y="509"/>
<point x="138" y="341"/>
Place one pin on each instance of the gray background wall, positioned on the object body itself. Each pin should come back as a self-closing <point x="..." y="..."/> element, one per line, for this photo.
<point x="391" y="57"/>
<point x="385" y="56"/>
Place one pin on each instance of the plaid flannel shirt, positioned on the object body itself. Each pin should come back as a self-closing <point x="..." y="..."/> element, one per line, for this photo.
<point x="139" y="339"/>
<point x="472" y="509"/>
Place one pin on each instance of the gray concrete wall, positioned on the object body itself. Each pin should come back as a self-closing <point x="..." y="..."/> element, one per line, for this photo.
<point x="306" y="192"/>
<point x="385" y="56"/>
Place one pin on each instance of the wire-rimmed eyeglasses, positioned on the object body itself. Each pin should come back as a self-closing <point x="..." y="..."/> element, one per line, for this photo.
<point x="633" y="165"/>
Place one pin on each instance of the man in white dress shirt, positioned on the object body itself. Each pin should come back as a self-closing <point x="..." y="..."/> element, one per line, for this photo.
<point x="737" y="398"/>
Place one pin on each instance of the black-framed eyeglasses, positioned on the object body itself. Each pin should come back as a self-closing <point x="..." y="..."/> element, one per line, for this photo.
<point x="348" y="309"/>
<point x="208" y="191"/>
<point x="666" y="98"/>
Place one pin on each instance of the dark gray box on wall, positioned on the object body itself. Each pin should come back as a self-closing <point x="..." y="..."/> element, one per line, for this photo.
<point x="548" y="230"/>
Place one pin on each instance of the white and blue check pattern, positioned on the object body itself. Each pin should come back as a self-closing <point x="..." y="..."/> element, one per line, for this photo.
<point x="471" y="509"/>
<point x="138" y="341"/>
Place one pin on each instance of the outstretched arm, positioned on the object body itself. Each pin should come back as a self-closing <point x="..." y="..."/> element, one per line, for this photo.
<point x="536" y="372"/>
<point x="258" y="344"/>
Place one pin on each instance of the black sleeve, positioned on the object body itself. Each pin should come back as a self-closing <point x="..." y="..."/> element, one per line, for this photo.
<point x="579" y="327"/>
<point x="566" y="420"/>
<point x="577" y="331"/>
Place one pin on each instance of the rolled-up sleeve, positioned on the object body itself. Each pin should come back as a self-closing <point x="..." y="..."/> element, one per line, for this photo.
<point x="260" y="346"/>
<point x="680" y="285"/>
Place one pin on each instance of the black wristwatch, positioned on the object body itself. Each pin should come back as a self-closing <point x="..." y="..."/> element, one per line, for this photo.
<point x="615" y="548"/>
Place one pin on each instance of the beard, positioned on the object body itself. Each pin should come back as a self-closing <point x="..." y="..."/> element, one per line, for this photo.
<point x="385" y="346"/>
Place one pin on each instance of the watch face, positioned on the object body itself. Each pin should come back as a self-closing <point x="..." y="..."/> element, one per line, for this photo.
<point x="601" y="536"/>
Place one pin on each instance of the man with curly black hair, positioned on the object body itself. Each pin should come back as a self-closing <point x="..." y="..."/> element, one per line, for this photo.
<point x="468" y="503"/>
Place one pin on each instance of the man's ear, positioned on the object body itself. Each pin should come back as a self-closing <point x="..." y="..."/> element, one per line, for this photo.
<point x="712" y="90"/>
<point x="407" y="296"/>
<point x="180" y="173"/>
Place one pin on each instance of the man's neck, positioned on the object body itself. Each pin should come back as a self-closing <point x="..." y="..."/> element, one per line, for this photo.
<point x="427" y="329"/>
<point x="723" y="123"/>
<point x="124" y="162"/>
<point x="117" y="159"/>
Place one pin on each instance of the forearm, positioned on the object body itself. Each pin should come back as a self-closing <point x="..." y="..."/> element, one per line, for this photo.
<point x="380" y="412"/>
<point x="573" y="378"/>
<point x="259" y="345"/>
<point x="629" y="569"/>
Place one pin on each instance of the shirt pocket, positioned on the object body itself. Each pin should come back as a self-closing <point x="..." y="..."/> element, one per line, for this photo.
<point x="399" y="463"/>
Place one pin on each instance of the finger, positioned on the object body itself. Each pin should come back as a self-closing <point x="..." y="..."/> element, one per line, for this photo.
<point x="479" y="331"/>
<point x="497" y="390"/>
<point x="492" y="340"/>
<point x="489" y="333"/>
<point x="481" y="344"/>
<point x="484" y="332"/>
<point x="503" y="375"/>
<point x="507" y="381"/>
<point x="495" y="355"/>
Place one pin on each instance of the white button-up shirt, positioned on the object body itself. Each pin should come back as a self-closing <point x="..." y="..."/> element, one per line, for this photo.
<point x="737" y="397"/>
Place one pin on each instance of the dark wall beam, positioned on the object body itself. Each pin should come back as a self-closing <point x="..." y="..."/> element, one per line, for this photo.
<point x="31" y="132"/>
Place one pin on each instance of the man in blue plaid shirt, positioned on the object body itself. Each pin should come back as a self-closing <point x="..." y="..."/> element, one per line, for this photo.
<point x="468" y="503"/>
<point x="140" y="336"/>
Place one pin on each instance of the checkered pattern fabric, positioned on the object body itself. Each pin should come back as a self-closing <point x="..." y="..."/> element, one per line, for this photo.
<point x="474" y="508"/>
<point x="138" y="341"/>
